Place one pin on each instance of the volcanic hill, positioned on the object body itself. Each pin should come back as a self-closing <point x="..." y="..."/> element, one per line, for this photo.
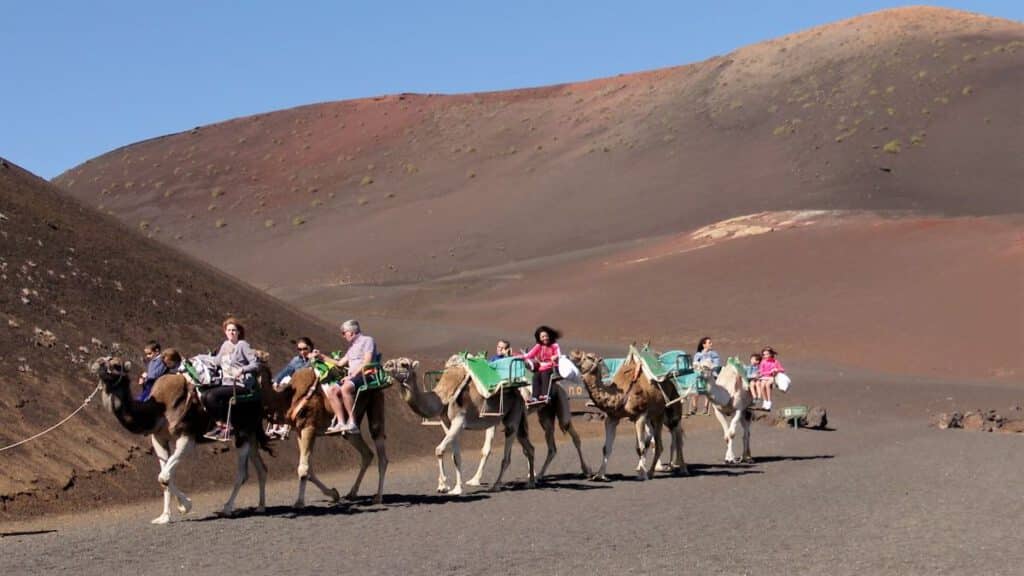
<point x="77" y="284"/>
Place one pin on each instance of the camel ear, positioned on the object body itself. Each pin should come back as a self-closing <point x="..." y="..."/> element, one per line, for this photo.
<point x="415" y="364"/>
<point x="127" y="365"/>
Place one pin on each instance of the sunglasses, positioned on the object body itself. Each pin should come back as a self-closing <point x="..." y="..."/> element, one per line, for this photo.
<point x="302" y="349"/>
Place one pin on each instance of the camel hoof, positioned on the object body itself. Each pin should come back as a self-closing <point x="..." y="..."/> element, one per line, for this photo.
<point x="225" y="513"/>
<point x="681" y="471"/>
<point x="662" y="468"/>
<point x="334" y="496"/>
<point x="351" y="496"/>
<point x="642" y="476"/>
<point x="299" y="505"/>
<point x="455" y="491"/>
<point x="473" y="482"/>
<point x="442" y="489"/>
<point x="599" y="478"/>
<point x="184" y="506"/>
<point x="532" y="484"/>
<point x="748" y="460"/>
<point x="378" y="499"/>
<point x="161" y="519"/>
<point x="588" y="473"/>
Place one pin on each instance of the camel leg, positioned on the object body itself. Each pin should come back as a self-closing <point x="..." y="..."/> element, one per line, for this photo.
<point x="730" y="457"/>
<point x="547" y="423"/>
<point x="610" y="424"/>
<point x="485" y="453"/>
<point x="163" y="453"/>
<point x="641" y="447"/>
<point x="678" y="462"/>
<point x="365" y="457"/>
<point x="240" y="477"/>
<point x="656" y="424"/>
<point x="261" y="477"/>
<point x="380" y="444"/>
<point x="523" y="435"/>
<point x="506" y="459"/>
<point x="457" y="463"/>
<point x="451" y="433"/>
<point x="565" y="423"/>
<point x="306" y="438"/>
<point x="168" y="462"/>
<point x="745" y="429"/>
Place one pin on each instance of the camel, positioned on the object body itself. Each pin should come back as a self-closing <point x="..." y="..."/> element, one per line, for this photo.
<point x="460" y="406"/>
<point x="641" y="402"/>
<point x="174" y="419"/>
<point x="731" y="401"/>
<point x="310" y="415"/>
<point x="556" y="407"/>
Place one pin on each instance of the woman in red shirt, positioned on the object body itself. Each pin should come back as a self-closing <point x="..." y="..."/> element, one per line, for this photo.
<point x="542" y="359"/>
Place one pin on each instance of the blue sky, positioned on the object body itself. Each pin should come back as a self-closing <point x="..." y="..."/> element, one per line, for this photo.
<point x="81" y="78"/>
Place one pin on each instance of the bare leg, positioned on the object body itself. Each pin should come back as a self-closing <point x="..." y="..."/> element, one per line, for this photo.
<point x="334" y="401"/>
<point x="485" y="453"/>
<point x="348" y="398"/>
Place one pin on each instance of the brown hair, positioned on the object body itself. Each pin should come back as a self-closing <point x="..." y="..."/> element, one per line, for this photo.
<point x="232" y="320"/>
<point x="170" y="357"/>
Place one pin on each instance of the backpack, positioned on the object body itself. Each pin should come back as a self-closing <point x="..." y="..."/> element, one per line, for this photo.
<point x="203" y="370"/>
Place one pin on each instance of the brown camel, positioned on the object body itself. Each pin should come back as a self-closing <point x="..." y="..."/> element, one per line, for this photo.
<point x="174" y="419"/>
<point x="630" y="395"/>
<point x="310" y="415"/>
<point x="460" y="406"/>
<point x="556" y="407"/>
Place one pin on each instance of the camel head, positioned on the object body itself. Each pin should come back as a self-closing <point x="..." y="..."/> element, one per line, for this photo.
<point x="587" y="362"/>
<point x="402" y="370"/>
<point x="113" y="373"/>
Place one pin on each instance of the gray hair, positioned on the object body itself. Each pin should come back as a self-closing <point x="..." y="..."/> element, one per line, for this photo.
<point x="350" y="326"/>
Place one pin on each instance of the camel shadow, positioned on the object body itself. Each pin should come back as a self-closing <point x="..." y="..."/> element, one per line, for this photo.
<point x="348" y="508"/>
<point x="760" y="459"/>
<point x="26" y="533"/>
<point x="568" y="481"/>
<point x="723" y="470"/>
<point x="409" y="500"/>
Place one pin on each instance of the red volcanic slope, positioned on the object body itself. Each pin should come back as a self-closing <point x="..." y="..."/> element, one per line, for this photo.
<point x="913" y="109"/>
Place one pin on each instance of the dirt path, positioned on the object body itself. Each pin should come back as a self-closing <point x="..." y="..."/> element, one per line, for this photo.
<point x="880" y="494"/>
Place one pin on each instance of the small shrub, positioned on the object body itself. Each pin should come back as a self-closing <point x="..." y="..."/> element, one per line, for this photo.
<point x="298" y="221"/>
<point x="217" y="192"/>
<point x="220" y="223"/>
<point x="968" y="90"/>
<point x="366" y="181"/>
<point x="363" y="201"/>
<point x="892" y="147"/>
<point x="268" y="223"/>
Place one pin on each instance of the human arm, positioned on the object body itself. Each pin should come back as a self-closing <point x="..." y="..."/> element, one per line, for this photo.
<point x="532" y="353"/>
<point x="250" y="364"/>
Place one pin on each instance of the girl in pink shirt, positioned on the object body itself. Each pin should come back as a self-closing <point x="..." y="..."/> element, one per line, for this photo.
<point x="767" y="369"/>
<point x="544" y="357"/>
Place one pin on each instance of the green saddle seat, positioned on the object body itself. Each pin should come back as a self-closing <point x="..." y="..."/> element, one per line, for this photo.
<point x="490" y="379"/>
<point x="611" y="366"/>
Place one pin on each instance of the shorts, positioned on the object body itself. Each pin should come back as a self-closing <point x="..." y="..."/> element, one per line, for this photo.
<point x="357" y="381"/>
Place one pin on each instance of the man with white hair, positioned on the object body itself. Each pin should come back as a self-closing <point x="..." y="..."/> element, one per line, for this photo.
<point x="361" y="350"/>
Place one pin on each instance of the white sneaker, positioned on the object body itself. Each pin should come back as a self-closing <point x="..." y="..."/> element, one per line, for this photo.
<point x="335" y="428"/>
<point x="350" y="428"/>
<point x="767" y="405"/>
